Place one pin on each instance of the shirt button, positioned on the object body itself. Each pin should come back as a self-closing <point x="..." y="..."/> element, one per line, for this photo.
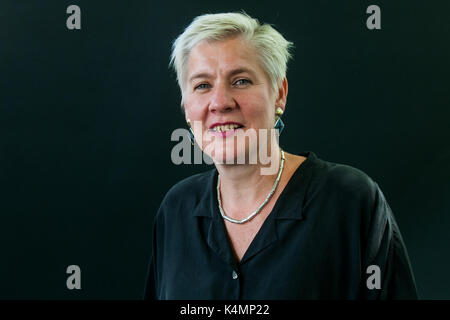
<point x="234" y="275"/>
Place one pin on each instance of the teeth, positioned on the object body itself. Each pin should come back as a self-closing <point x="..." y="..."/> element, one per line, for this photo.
<point x="226" y="127"/>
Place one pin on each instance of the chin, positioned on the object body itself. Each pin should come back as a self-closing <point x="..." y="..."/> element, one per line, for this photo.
<point x="227" y="153"/>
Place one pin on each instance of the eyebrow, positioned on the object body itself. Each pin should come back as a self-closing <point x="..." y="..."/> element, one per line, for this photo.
<point x="230" y="74"/>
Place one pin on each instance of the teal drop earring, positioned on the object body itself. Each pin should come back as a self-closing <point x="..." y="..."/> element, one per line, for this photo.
<point x="279" y="124"/>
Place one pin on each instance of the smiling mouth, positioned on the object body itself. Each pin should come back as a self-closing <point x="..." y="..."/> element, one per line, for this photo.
<point x="226" y="127"/>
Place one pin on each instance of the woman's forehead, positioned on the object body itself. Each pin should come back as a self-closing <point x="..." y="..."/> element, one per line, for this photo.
<point x="229" y="55"/>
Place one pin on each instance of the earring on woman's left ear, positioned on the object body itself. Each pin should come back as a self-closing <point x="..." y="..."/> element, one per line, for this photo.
<point x="191" y="133"/>
<point x="279" y="124"/>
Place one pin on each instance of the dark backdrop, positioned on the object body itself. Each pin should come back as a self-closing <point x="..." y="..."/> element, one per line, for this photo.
<point x="86" y="117"/>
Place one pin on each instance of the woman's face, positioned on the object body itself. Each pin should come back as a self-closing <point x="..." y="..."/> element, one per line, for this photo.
<point x="225" y="84"/>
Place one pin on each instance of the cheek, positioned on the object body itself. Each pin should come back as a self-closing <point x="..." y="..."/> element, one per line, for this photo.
<point x="192" y="109"/>
<point x="258" y="113"/>
<point x="257" y="103"/>
<point x="197" y="115"/>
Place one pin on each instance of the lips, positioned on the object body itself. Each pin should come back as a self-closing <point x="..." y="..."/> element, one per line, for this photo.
<point x="225" y="126"/>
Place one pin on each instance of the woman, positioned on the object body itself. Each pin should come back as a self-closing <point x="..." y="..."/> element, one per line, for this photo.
<point x="309" y="229"/>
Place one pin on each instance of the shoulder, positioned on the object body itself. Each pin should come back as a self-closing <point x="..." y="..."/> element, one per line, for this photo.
<point x="188" y="193"/>
<point x="347" y="178"/>
<point x="345" y="183"/>
<point x="349" y="196"/>
<point x="193" y="186"/>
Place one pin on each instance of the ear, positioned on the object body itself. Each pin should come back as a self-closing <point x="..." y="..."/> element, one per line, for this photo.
<point x="282" y="94"/>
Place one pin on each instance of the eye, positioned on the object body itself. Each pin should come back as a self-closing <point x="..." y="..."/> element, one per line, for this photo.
<point x="242" y="82"/>
<point x="202" y="86"/>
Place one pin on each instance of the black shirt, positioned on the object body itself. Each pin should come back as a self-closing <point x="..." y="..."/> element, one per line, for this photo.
<point x="330" y="223"/>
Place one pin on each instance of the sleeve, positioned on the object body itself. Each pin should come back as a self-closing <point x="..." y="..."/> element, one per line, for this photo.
<point x="386" y="257"/>
<point x="152" y="283"/>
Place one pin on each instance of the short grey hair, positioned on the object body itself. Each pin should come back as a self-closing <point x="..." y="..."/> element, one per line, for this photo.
<point x="273" y="49"/>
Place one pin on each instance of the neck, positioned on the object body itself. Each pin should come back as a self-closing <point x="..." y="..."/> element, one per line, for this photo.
<point x="243" y="187"/>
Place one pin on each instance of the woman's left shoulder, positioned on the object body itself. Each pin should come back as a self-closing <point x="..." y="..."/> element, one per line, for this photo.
<point x="346" y="180"/>
<point x="349" y="192"/>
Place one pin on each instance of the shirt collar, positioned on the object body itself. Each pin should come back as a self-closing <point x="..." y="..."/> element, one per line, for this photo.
<point x="288" y="206"/>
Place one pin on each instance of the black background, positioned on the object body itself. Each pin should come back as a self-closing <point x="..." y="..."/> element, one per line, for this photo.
<point x="86" y="117"/>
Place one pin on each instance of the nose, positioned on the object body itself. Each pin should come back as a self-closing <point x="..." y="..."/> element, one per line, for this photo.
<point x="221" y="99"/>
